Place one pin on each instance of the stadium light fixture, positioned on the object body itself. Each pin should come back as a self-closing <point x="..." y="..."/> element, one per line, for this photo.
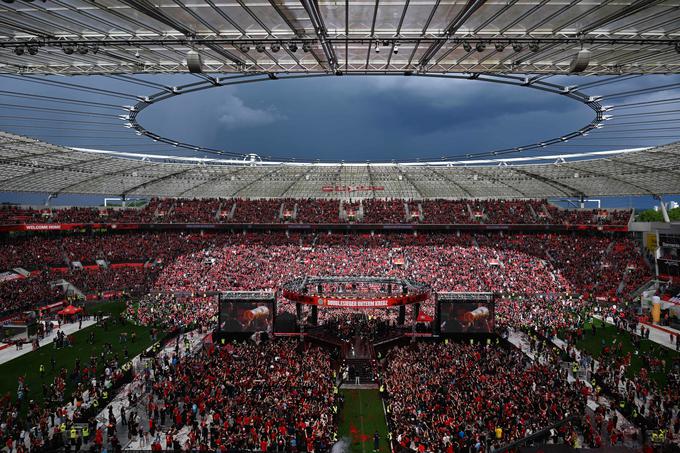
<point x="480" y="47"/>
<point x="377" y="47"/>
<point x="580" y="61"/>
<point x="83" y="50"/>
<point x="245" y="48"/>
<point x="19" y="50"/>
<point x="395" y="49"/>
<point x="68" y="50"/>
<point x="32" y="49"/>
<point x="306" y="47"/>
<point x="194" y="62"/>
<point x="677" y="47"/>
<point x="275" y="47"/>
<point x="534" y="47"/>
<point x="293" y="47"/>
<point x="517" y="47"/>
<point x="499" y="47"/>
<point x="467" y="47"/>
<point x="260" y="47"/>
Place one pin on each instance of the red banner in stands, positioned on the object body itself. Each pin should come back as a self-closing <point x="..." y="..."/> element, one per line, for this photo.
<point x="46" y="227"/>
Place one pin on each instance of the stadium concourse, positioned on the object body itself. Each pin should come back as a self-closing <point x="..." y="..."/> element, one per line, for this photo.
<point x="371" y="373"/>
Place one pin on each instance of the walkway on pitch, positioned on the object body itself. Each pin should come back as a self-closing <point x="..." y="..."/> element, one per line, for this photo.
<point x="361" y="416"/>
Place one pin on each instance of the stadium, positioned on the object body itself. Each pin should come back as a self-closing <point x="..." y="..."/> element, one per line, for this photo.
<point x="339" y="226"/>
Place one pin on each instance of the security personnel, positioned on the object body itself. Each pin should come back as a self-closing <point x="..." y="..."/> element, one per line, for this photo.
<point x="105" y="395"/>
<point x="86" y="433"/>
<point x="42" y="371"/>
<point x="574" y="369"/>
<point x="74" y="435"/>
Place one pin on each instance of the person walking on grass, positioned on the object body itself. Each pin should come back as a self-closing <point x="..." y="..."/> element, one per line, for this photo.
<point x="376" y="441"/>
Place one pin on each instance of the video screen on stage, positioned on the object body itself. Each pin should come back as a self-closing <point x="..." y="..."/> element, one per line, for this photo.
<point x="238" y="315"/>
<point x="467" y="315"/>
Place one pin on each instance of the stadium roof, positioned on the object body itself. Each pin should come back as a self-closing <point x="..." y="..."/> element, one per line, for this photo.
<point x="28" y="165"/>
<point x="529" y="36"/>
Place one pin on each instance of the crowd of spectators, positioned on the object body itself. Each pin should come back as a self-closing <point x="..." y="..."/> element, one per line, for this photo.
<point x="538" y="265"/>
<point x="469" y="397"/>
<point x="132" y="280"/>
<point x="310" y="210"/>
<point x="28" y="293"/>
<point x="275" y="396"/>
<point x="317" y="211"/>
<point x="159" y="310"/>
<point x="384" y="211"/>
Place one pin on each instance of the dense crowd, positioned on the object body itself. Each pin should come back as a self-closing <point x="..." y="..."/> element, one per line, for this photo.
<point x="28" y="293"/>
<point x="467" y="397"/>
<point x="275" y="396"/>
<point x="541" y="267"/>
<point x="181" y="312"/>
<point x="310" y="210"/>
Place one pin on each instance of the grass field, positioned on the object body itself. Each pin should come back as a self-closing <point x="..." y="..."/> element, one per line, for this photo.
<point x="360" y="418"/>
<point x="28" y="364"/>
<point x="611" y="335"/>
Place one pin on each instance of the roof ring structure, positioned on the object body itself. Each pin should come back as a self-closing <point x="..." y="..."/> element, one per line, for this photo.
<point x="593" y="102"/>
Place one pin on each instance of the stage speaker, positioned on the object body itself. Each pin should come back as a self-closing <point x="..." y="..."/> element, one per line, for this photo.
<point x="194" y="62"/>
<point x="580" y="62"/>
<point x="402" y="315"/>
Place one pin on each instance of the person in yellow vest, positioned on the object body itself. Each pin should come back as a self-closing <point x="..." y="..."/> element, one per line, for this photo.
<point x="499" y="432"/>
<point x="105" y="395"/>
<point x="42" y="371"/>
<point x="73" y="435"/>
<point x="62" y="427"/>
<point x="86" y="434"/>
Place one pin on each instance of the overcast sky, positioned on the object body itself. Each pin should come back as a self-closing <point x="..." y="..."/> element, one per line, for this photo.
<point x="337" y="118"/>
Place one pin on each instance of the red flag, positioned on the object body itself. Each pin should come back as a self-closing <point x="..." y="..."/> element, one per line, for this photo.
<point x="422" y="317"/>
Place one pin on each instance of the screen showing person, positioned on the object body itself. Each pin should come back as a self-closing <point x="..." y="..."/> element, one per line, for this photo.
<point x="246" y="316"/>
<point x="466" y="317"/>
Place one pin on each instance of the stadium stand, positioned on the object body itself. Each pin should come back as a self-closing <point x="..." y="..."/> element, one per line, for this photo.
<point x="374" y="211"/>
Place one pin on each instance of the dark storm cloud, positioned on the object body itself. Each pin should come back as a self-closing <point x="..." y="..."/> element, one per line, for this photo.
<point x="364" y="118"/>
